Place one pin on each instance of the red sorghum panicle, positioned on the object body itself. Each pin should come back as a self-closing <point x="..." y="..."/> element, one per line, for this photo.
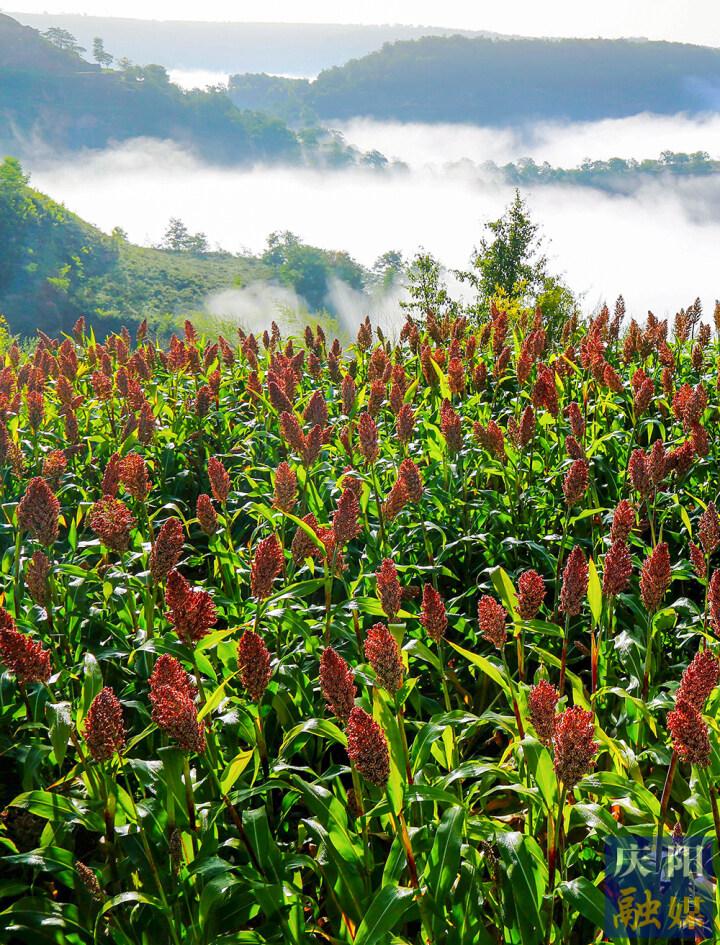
<point x="697" y="557"/>
<point x="396" y="501"/>
<point x="111" y="476"/>
<point x="491" y="619"/>
<point x="388" y="588"/>
<point x="657" y="463"/>
<point x="526" y="430"/>
<point x="450" y="426"/>
<point x="576" y="482"/>
<point x="383" y="654"/>
<point x="709" y="529"/>
<point x="618" y="568"/>
<point x="575" y="583"/>
<point x="655" y="577"/>
<point x="574" y="745"/>
<point x="346" y="519"/>
<point x="168" y="672"/>
<point x="166" y="549"/>
<point x="38" y="512"/>
<point x="368" y="437"/>
<point x="545" y="393"/>
<point x="577" y="422"/>
<point x="302" y="545"/>
<point x="639" y="471"/>
<point x="336" y="683"/>
<point x="713" y="597"/>
<point x="623" y="521"/>
<point x="367" y="747"/>
<point x="173" y="708"/>
<point x="26" y="659"/>
<point x="699" y="680"/>
<point x="433" y="615"/>
<point x="112" y="521"/>
<point x="89" y="880"/>
<point x="285" y="488"/>
<point x="531" y="594"/>
<point x="54" y="465"/>
<point x="219" y="479"/>
<point x="411" y="479"/>
<point x="267" y="564"/>
<point x="104" y="727"/>
<point x="134" y="476"/>
<point x="348" y="394"/>
<point x="191" y="612"/>
<point x="254" y="664"/>
<point x="689" y="734"/>
<point x="206" y="514"/>
<point x="405" y="423"/>
<point x="37" y="578"/>
<point x="542" y="702"/>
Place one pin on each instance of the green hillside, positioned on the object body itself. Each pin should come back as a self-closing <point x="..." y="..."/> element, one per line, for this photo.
<point x="55" y="267"/>
<point x="499" y="82"/>
<point x="52" y="99"/>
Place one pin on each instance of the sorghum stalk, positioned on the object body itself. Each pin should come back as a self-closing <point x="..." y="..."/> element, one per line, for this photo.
<point x="381" y="518"/>
<point x="189" y="797"/>
<point x="404" y="741"/>
<point x="151" y="860"/>
<point x="648" y="658"/>
<point x="17" y="583"/>
<point x="554" y="855"/>
<point x="563" y="657"/>
<point x="513" y="698"/>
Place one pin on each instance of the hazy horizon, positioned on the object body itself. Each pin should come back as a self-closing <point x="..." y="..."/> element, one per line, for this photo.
<point x="655" y="245"/>
<point x="695" y="21"/>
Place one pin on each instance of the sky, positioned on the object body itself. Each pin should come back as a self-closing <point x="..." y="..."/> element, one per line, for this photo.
<point x="695" y="21"/>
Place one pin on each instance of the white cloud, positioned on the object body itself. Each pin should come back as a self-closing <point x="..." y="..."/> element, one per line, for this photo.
<point x="658" y="247"/>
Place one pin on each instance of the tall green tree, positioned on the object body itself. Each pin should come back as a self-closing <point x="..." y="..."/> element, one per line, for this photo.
<point x="510" y="260"/>
<point x="100" y="55"/>
<point x="63" y="39"/>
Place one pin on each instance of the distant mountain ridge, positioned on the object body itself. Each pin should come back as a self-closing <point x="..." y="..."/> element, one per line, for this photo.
<point x="487" y="82"/>
<point x="285" y="48"/>
<point x="52" y="99"/>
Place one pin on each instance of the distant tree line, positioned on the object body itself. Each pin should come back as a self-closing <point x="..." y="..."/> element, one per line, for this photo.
<point x="496" y="82"/>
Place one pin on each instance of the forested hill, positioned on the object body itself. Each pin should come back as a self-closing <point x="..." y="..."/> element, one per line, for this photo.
<point x="287" y="48"/>
<point x="55" y="267"/>
<point x="51" y="98"/>
<point x="499" y="82"/>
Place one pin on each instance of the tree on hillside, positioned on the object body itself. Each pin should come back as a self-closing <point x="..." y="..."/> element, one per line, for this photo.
<point x="309" y="269"/>
<point x="427" y="290"/>
<point x="511" y="260"/>
<point x="63" y="39"/>
<point x="100" y="55"/>
<point x="179" y="239"/>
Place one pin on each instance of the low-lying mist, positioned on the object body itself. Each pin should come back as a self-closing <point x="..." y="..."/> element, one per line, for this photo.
<point x="657" y="246"/>
<point x="562" y="145"/>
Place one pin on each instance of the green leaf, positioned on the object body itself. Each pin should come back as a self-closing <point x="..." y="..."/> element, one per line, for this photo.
<point x="586" y="898"/>
<point x="60" y="728"/>
<point x="445" y="854"/>
<point x="92" y="684"/>
<point x="235" y="769"/>
<point x="58" y="807"/>
<point x="504" y="587"/>
<point x="322" y="728"/>
<point x="444" y="386"/>
<point x="526" y="871"/>
<point x="484" y="664"/>
<point x="386" y="910"/>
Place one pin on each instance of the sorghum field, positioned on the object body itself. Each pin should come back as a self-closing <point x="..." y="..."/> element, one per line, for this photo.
<point x="376" y="645"/>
